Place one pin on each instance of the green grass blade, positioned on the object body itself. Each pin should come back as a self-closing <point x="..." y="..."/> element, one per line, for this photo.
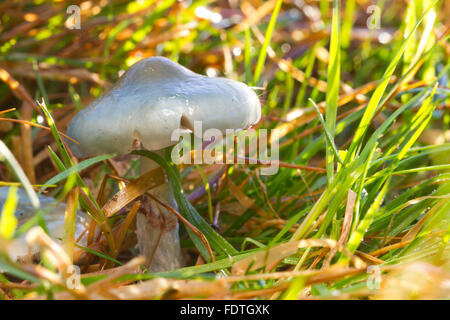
<point x="347" y="22"/>
<point x="208" y="192"/>
<point x="99" y="254"/>
<point x="40" y="82"/>
<point x="61" y="147"/>
<point x="78" y="167"/>
<point x="332" y="95"/>
<point x="357" y="236"/>
<point x="328" y="135"/>
<point x="420" y="121"/>
<point x="248" y="56"/>
<point x="4" y="151"/>
<point x="378" y="93"/>
<point x="268" y="36"/>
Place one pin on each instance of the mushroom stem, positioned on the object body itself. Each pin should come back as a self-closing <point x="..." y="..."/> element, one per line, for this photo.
<point x="157" y="228"/>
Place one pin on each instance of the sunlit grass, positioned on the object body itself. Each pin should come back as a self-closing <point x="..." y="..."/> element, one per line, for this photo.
<point x="359" y="185"/>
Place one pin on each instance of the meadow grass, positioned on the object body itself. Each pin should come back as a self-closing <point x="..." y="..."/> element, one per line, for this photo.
<point x="362" y="120"/>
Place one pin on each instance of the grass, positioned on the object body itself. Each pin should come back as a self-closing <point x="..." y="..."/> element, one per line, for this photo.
<point x="361" y="118"/>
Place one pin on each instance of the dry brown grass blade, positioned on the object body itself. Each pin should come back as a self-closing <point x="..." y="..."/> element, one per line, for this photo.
<point x="332" y="274"/>
<point x="21" y="286"/>
<point x="7" y="110"/>
<point x="58" y="74"/>
<point x="270" y="258"/>
<point x="245" y="201"/>
<point x="400" y="244"/>
<point x="267" y="292"/>
<point x="351" y="198"/>
<point x="318" y="127"/>
<point x="312" y="277"/>
<point x="290" y="274"/>
<point x="297" y="74"/>
<point x="316" y="224"/>
<point x="31" y="21"/>
<point x="101" y="191"/>
<point x="261" y="224"/>
<point x="161" y="288"/>
<point x="369" y="258"/>
<point x="57" y="256"/>
<point x="152" y="173"/>
<point x="178" y="32"/>
<point x="304" y="118"/>
<point x="253" y="15"/>
<point x="18" y="90"/>
<point x="282" y="164"/>
<point x="132" y="266"/>
<point x="53" y="252"/>
<point x="27" y="143"/>
<point x="321" y="253"/>
<point x="120" y="235"/>
<point x="285" y="128"/>
<point x="133" y="190"/>
<point x="29" y="123"/>
<point x="286" y="66"/>
<point x="92" y="291"/>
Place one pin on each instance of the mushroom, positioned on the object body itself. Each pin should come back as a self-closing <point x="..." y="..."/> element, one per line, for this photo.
<point x="53" y="218"/>
<point x="152" y="99"/>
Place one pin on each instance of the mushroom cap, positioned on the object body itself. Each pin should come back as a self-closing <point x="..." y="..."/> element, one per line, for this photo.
<point x="152" y="99"/>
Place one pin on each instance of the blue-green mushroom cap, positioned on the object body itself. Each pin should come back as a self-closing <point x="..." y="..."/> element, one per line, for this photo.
<point x="152" y="99"/>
